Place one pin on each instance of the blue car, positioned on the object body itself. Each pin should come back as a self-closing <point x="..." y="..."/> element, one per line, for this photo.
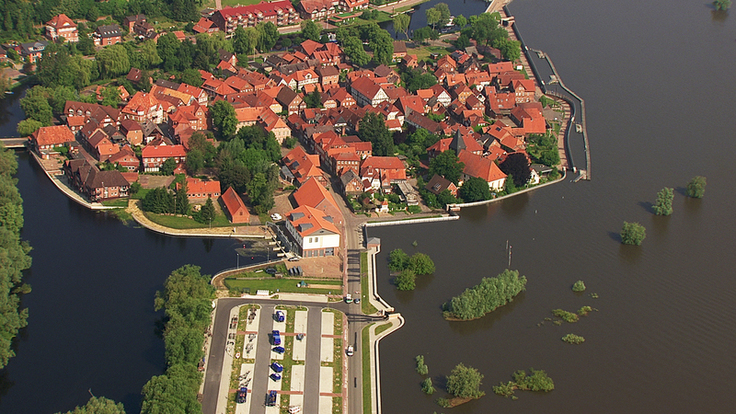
<point x="277" y="367"/>
<point x="242" y="395"/>
<point x="276" y="337"/>
<point x="271" y="401"/>
<point x="276" y="377"/>
<point x="279" y="350"/>
<point x="280" y="316"/>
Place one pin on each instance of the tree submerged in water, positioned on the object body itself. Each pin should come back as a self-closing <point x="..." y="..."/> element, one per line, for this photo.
<point x="722" y="4"/>
<point x="696" y="187"/>
<point x="663" y="207"/>
<point x="633" y="233"/>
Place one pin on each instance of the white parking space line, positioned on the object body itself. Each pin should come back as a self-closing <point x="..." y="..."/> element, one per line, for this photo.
<point x="327" y="349"/>
<point x="246" y="372"/>
<point x="325" y="379"/>
<point x="328" y="323"/>
<point x="325" y="405"/>
<point x="297" y="378"/>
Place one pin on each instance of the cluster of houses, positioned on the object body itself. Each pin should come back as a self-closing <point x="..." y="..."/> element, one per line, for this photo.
<point x="487" y="110"/>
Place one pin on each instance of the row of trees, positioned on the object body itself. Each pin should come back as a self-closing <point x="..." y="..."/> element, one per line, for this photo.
<point x="186" y="301"/>
<point x="14" y="258"/>
<point x="485" y="297"/>
<point x="379" y="41"/>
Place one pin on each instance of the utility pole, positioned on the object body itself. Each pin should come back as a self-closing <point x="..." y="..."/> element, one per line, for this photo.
<point x="510" y="247"/>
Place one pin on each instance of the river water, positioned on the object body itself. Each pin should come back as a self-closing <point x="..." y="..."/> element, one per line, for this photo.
<point x="658" y="80"/>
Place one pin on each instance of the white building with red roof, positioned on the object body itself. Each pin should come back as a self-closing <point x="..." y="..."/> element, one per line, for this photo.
<point x="144" y="106"/>
<point x="280" y="13"/>
<point x="314" y="231"/>
<point x="482" y="167"/>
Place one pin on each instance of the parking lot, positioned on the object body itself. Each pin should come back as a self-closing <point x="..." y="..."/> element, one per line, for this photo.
<point x="311" y="364"/>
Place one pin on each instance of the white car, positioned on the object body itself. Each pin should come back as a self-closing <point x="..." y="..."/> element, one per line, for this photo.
<point x="350" y="350"/>
<point x="276" y="217"/>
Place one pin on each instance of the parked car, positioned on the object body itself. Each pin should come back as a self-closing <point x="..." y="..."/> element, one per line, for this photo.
<point x="271" y="400"/>
<point x="276" y="337"/>
<point x="348" y="298"/>
<point x="271" y="270"/>
<point x="350" y="350"/>
<point x="280" y="316"/>
<point x="300" y="336"/>
<point x="277" y="367"/>
<point x="279" y="350"/>
<point x="294" y="258"/>
<point x="275" y="376"/>
<point x="242" y="395"/>
<point x="357" y="300"/>
<point x="276" y="217"/>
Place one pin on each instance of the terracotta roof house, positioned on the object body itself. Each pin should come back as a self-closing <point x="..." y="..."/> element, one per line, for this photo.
<point x="46" y="138"/>
<point x="129" y="21"/>
<point x="350" y="183"/>
<point x="485" y="168"/>
<point x="201" y="190"/>
<point x="410" y="103"/>
<point x="314" y="232"/>
<point x="438" y="184"/>
<point x="108" y="35"/>
<point x="132" y="130"/>
<point x="144" y="106"/>
<point x="399" y="50"/>
<point x="101" y="146"/>
<point x="302" y="165"/>
<point x="291" y="100"/>
<point x="270" y="122"/>
<point x="235" y="207"/>
<point x="280" y="13"/>
<point x="381" y="172"/>
<point x="62" y="26"/>
<point x="317" y="9"/>
<point x="410" y="61"/>
<point x="154" y="156"/>
<point x="134" y="75"/>
<point x="314" y="194"/>
<point x="465" y="142"/>
<point x="367" y="92"/>
<point x="420" y="121"/>
<point x="205" y="25"/>
<point x="528" y="116"/>
<point x="523" y="90"/>
<point x="95" y="184"/>
<point x="353" y="5"/>
<point x="126" y="158"/>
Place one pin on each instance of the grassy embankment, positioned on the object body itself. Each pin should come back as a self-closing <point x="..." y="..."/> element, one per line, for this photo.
<point x="365" y="304"/>
<point x="254" y="281"/>
<point x="366" y="360"/>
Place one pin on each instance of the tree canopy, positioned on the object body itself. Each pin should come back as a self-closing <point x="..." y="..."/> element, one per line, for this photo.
<point x="663" y="205"/>
<point x="475" y="189"/>
<point x="310" y="30"/>
<point x="223" y="119"/>
<point x="517" y="164"/>
<point x="489" y="294"/>
<point x="99" y="405"/>
<point x="633" y="233"/>
<point x="465" y="382"/>
<point x="696" y="187"/>
<point x="447" y="165"/>
<point x="372" y="128"/>
<point x="401" y="23"/>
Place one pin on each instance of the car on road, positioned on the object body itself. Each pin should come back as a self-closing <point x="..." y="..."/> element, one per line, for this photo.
<point x="276" y="217"/>
<point x="357" y="300"/>
<point x="350" y="350"/>
<point x="277" y="367"/>
<point x="280" y="316"/>
<point x="276" y="337"/>
<point x="271" y="270"/>
<point x="279" y="350"/>
<point x="242" y="395"/>
<point x="275" y="376"/>
<point x="271" y="399"/>
<point x="348" y="298"/>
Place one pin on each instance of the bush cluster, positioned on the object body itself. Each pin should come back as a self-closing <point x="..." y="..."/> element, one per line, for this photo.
<point x="485" y="297"/>
<point x="573" y="339"/>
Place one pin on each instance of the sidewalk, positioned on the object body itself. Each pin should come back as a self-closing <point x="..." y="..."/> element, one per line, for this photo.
<point x="396" y="321"/>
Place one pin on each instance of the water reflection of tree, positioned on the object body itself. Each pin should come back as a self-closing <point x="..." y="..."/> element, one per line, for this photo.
<point x="718" y="16"/>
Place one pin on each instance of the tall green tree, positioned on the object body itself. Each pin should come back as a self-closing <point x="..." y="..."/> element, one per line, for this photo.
<point x="224" y="119"/>
<point x="383" y="48"/>
<point x="207" y="214"/>
<point x="485" y="297"/>
<point x="460" y="21"/>
<point x="475" y="189"/>
<point x="99" y="405"/>
<point x="401" y="24"/>
<point x="310" y="30"/>
<point x="398" y="260"/>
<point x="373" y="128"/>
<point x="28" y="126"/>
<point x="447" y="165"/>
<point x="353" y="48"/>
<point x="36" y="105"/>
<point x="663" y="205"/>
<point x="268" y="36"/>
<point x="485" y="28"/>
<point x="168" y="49"/>
<point x="421" y="264"/>
<point x="722" y="4"/>
<point x="112" y="61"/>
<point x="406" y="280"/>
<point x="445" y="14"/>
<point x="465" y="382"/>
<point x="433" y="16"/>
<point x="696" y="187"/>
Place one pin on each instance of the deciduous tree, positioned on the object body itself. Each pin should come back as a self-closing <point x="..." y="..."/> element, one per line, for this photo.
<point x="224" y="119"/>
<point x="268" y="36"/>
<point x="696" y="187"/>
<point x="465" y="382"/>
<point x="433" y="16"/>
<point x="406" y="280"/>
<point x="633" y="233"/>
<point x="517" y="165"/>
<point x="447" y="165"/>
<point x="373" y="128"/>
<point x="99" y="405"/>
<point x="310" y="30"/>
<point x="663" y="205"/>
<point x="401" y="24"/>
<point x="475" y="189"/>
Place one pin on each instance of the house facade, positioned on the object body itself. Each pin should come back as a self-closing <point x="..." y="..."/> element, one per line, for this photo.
<point x="63" y="27"/>
<point x="314" y="231"/>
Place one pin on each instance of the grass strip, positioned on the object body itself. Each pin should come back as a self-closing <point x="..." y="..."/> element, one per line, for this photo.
<point x="366" y="362"/>
<point x="272" y="285"/>
<point x="380" y="329"/>
<point x="177" y="222"/>
<point x="365" y="304"/>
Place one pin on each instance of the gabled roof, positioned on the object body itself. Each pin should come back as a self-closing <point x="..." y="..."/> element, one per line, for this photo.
<point x="366" y="87"/>
<point x="480" y="167"/>
<point x="163" y="151"/>
<point x="234" y="204"/>
<point x="202" y="187"/>
<point x="309" y="46"/>
<point x="313" y="194"/>
<point x="53" y="135"/>
<point x="308" y="221"/>
<point x="110" y="30"/>
<point x="465" y="142"/>
<point x="302" y="165"/>
<point x="60" y="21"/>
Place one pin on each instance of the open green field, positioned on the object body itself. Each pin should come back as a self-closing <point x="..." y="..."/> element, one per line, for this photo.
<point x="284" y="285"/>
<point x="177" y="222"/>
<point x="424" y="51"/>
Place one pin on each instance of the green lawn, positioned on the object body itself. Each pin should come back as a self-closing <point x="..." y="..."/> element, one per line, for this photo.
<point x="141" y="194"/>
<point x="120" y="202"/>
<point x="176" y="222"/>
<point x="365" y="304"/>
<point x="231" y="3"/>
<point x="424" y="51"/>
<point x="282" y="285"/>
<point x="367" y="386"/>
<point x="382" y="328"/>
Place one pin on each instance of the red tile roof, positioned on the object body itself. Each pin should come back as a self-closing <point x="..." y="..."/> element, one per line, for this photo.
<point x="52" y="135"/>
<point x="235" y="206"/>
<point x="308" y="220"/>
<point x="480" y="167"/>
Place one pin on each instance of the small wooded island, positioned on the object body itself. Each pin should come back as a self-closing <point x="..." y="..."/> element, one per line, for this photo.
<point x="485" y="297"/>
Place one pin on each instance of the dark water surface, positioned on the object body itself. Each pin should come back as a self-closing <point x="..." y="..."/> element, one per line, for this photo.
<point x="658" y="79"/>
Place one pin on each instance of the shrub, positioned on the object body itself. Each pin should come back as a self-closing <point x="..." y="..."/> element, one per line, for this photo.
<point x="427" y="387"/>
<point x="585" y="310"/>
<point x="696" y="187"/>
<point x="565" y="315"/>
<point x="578" y="286"/>
<point x="465" y="382"/>
<point x="663" y="206"/>
<point x="633" y="233"/>
<point x="573" y="339"/>
<point x="537" y="381"/>
<point x="406" y="280"/>
<point x="422" y="368"/>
